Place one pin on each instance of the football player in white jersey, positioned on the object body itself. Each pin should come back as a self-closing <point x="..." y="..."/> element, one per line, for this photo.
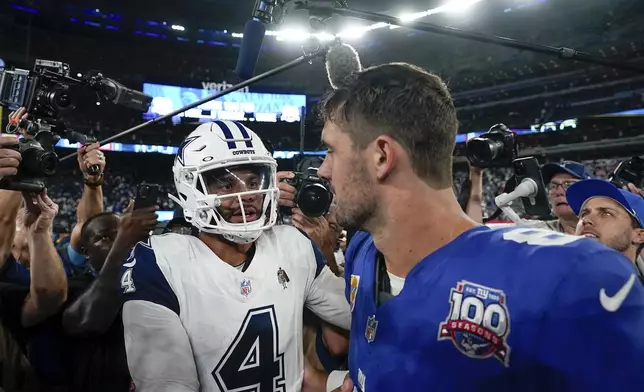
<point x="223" y="311"/>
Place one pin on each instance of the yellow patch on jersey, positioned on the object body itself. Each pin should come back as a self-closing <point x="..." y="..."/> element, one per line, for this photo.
<point x="355" y="282"/>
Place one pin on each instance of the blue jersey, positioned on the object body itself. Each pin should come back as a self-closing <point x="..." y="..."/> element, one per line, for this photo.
<point x="499" y="310"/>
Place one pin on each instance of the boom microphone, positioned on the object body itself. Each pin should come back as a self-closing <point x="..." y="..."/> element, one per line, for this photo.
<point x="342" y="61"/>
<point x="254" y="33"/>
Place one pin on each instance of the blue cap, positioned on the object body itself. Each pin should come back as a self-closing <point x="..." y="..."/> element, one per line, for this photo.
<point x="575" y="169"/>
<point x="579" y="192"/>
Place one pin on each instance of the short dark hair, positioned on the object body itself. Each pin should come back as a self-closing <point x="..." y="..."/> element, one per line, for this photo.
<point x="406" y="103"/>
<point x="86" y="232"/>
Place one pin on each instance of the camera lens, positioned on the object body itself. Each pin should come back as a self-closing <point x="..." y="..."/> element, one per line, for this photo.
<point x="63" y="100"/>
<point x="48" y="163"/>
<point x="314" y="200"/>
<point x="37" y="162"/>
<point x="483" y="150"/>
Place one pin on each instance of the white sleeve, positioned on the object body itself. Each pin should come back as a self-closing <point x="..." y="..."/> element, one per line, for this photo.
<point x="159" y="354"/>
<point x="158" y="349"/>
<point x="326" y="294"/>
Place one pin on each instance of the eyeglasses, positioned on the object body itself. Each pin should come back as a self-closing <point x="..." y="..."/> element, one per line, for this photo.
<point x="565" y="184"/>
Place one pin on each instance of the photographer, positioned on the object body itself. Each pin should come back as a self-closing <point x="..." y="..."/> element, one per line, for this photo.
<point x="557" y="178"/>
<point x="46" y="277"/>
<point x="325" y="345"/>
<point x="47" y="286"/>
<point x="90" y="204"/>
<point x="9" y="201"/>
<point x="324" y="230"/>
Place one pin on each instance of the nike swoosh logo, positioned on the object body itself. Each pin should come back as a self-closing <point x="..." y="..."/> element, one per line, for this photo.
<point x="612" y="304"/>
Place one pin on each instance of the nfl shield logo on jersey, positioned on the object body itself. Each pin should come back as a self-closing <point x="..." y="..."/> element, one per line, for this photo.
<point x="478" y="323"/>
<point x="246" y="287"/>
<point x="372" y="328"/>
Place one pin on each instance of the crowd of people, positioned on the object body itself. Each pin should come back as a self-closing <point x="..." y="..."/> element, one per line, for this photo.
<point x="66" y="188"/>
<point x="400" y="284"/>
<point x="157" y="331"/>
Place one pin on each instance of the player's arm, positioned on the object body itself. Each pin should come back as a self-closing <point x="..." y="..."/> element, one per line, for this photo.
<point x="326" y="293"/>
<point x="159" y="354"/>
<point x="591" y="333"/>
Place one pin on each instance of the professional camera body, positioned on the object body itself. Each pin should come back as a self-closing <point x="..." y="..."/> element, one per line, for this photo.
<point x="47" y="90"/>
<point x="313" y="195"/>
<point x="631" y="170"/>
<point x="497" y="148"/>
<point x="45" y="93"/>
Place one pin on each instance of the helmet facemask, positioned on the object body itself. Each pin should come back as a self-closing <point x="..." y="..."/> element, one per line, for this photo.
<point x="237" y="201"/>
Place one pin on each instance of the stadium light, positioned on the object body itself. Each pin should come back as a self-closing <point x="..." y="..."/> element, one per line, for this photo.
<point x="178" y="28"/>
<point x="357" y="32"/>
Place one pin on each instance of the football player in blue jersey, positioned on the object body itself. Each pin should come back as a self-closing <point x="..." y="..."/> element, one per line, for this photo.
<point x="441" y="303"/>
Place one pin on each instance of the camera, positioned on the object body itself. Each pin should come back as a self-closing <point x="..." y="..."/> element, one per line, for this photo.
<point x="313" y="194"/>
<point x="496" y="148"/>
<point x="45" y="93"/>
<point x="37" y="162"/>
<point x="631" y="171"/>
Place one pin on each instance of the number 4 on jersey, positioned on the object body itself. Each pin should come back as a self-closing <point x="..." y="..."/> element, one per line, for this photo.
<point x="252" y="362"/>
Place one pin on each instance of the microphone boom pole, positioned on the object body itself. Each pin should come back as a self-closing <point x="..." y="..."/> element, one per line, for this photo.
<point x="561" y="52"/>
<point x="307" y="57"/>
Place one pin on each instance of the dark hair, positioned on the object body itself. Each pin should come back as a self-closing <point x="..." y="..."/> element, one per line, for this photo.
<point x="406" y="103"/>
<point x="86" y="232"/>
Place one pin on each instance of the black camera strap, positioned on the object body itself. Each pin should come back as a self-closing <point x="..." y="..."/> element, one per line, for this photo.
<point x="382" y="292"/>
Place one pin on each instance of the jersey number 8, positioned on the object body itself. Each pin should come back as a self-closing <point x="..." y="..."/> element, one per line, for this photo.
<point x="252" y="362"/>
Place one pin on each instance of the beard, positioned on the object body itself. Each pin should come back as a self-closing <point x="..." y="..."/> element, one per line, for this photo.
<point x="356" y="202"/>
<point x="620" y="243"/>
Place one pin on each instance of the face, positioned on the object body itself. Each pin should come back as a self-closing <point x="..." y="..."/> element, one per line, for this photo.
<point x="557" y="195"/>
<point x="607" y="221"/>
<point x="229" y="182"/>
<point x="345" y="168"/>
<point x="101" y="237"/>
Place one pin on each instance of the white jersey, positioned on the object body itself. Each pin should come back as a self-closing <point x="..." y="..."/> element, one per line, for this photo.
<point x="195" y="323"/>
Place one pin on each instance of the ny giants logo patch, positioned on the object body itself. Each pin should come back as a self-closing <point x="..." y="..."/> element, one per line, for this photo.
<point x="479" y="322"/>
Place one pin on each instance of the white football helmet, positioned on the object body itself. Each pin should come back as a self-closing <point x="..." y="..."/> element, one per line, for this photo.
<point x="226" y="181"/>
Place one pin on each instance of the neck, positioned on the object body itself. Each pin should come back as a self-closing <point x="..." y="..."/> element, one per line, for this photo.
<point x="569" y="224"/>
<point x="631" y="254"/>
<point x="230" y="252"/>
<point x="416" y="222"/>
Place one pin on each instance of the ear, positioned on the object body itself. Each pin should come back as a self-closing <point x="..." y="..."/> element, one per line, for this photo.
<point x="385" y="156"/>
<point x="638" y="237"/>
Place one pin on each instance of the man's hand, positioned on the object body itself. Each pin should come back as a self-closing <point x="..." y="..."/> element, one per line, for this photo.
<point x="317" y="229"/>
<point x="136" y="225"/>
<point x="287" y="191"/>
<point x="475" y="171"/>
<point x="40" y="212"/>
<point x="14" y="121"/>
<point x="9" y="158"/>
<point x="633" y="189"/>
<point x="88" y="156"/>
